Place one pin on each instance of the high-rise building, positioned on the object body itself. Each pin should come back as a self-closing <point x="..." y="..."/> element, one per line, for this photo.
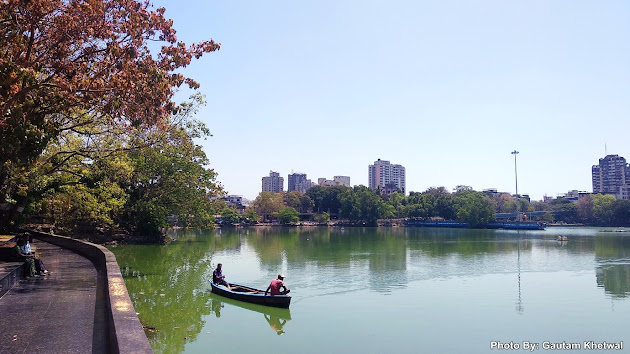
<point x="610" y="175"/>
<point x="274" y="183"/>
<point x="298" y="182"/>
<point x="385" y="176"/>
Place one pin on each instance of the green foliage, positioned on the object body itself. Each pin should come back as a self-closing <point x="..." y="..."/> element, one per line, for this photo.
<point x="306" y="203"/>
<point x="603" y="208"/>
<point x="292" y="199"/>
<point x="397" y="201"/>
<point x="621" y="213"/>
<point x="267" y="203"/>
<point x="474" y="208"/>
<point x="230" y="216"/>
<point x="108" y="178"/>
<point x="250" y="217"/>
<point x="326" y="198"/>
<point x="506" y="204"/>
<point x="170" y="173"/>
<point x="287" y="215"/>
<point x="524" y="205"/>
<point x="585" y="209"/>
<point x="548" y="217"/>
<point x="434" y="202"/>
<point x="322" y="218"/>
<point x="362" y="204"/>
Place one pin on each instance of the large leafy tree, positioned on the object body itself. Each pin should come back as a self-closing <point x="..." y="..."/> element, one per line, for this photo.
<point x="170" y="177"/>
<point x="268" y="203"/>
<point x="326" y="198"/>
<point x="127" y="179"/>
<point x="287" y="215"/>
<point x="434" y="202"/>
<point x="362" y="204"/>
<point x="474" y="208"/>
<point x="65" y="64"/>
<point x="603" y="208"/>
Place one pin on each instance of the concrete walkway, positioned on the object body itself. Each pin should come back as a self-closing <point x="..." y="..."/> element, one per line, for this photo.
<point x="54" y="313"/>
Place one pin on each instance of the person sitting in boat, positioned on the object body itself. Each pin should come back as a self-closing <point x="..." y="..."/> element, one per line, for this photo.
<point x="276" y="285"/>
<point x="218" y="277"/>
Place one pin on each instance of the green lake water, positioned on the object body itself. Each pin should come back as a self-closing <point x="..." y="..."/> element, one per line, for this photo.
<point x="384" y="290"/>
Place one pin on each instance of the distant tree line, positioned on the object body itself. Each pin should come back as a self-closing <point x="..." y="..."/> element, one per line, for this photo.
<point x="365" y="206"/>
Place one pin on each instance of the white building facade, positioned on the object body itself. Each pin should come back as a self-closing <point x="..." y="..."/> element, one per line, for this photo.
<point x="384" y="175"/>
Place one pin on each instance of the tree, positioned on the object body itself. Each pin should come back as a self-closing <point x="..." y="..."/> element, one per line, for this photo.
<point x="621" y="212"/>
<point x="170" y="177"/>
<point x="603" y="211"/>
<point x="585" y="209"/>
<point x="524" y="205"/>
<point x="398" y="202"/>
<point x="67" y="64"/>
<point x="566" y="210"/>
<point x="306" y="203"/>
<point x="135" y="177"/>
<point x="230" y="216"/>
<point x="326" y="198"/>
<point x="292" y="199"/>
<point x="323" y="218"/>
<point x="474" y="208"/>
<point x="287" y="215"/>
<point x="361" y="204"/>
<point x="250" y="217"/>
<point x="268" y="203"/>
<point x="506" y="204"/>
<point x="434" y="202"/>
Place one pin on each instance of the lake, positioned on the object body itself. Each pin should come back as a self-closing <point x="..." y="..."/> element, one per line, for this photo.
<point x="380" y="290"/>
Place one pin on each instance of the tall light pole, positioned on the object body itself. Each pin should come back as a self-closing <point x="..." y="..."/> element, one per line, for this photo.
<point x="516" y="179"/>
<point x="515" y="174"/>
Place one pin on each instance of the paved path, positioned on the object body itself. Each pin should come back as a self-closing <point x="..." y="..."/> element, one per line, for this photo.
<point x="53" y="313"/>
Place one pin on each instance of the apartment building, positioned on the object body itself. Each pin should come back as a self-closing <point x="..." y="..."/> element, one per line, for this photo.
<point x="610" y="175"/>
<point x="383" y="175"/>
<point x="273" y="183"/>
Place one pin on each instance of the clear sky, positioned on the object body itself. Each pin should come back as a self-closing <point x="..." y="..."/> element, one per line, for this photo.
<point x="445" y="88"/>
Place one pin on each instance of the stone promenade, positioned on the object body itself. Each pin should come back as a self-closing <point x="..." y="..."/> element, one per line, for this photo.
<point x="56" y="313"/>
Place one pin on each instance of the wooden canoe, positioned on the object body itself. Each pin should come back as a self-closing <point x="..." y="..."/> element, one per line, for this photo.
<point x="254" y="296"/>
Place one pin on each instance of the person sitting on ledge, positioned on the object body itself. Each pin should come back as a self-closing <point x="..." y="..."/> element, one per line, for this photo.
<point x="34" y="266"/>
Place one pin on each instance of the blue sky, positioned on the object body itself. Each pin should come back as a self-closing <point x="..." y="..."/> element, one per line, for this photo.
<point x="445" y="88"/>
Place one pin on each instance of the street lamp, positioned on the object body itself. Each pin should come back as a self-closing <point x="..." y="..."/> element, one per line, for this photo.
<point x="515" y="174"/>
<point x="516" y="179"/>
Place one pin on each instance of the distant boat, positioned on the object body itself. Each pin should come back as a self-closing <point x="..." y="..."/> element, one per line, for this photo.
<point x="517" y="225"/>
<point x="492" y="225"/>
<point x="251" y="295"/>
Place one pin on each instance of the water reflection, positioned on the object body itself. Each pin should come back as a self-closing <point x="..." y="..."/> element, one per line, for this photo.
<point x="276" y="318"/>
<point x="613" y="271"/>
<point x="276" y="323"/>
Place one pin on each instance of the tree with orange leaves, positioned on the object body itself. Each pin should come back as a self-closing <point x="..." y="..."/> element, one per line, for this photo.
<point x="65" y="63"/>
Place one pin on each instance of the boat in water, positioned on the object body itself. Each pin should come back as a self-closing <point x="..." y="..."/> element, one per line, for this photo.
<point x="517" y="225"/>
<point x="251" y="295"/>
